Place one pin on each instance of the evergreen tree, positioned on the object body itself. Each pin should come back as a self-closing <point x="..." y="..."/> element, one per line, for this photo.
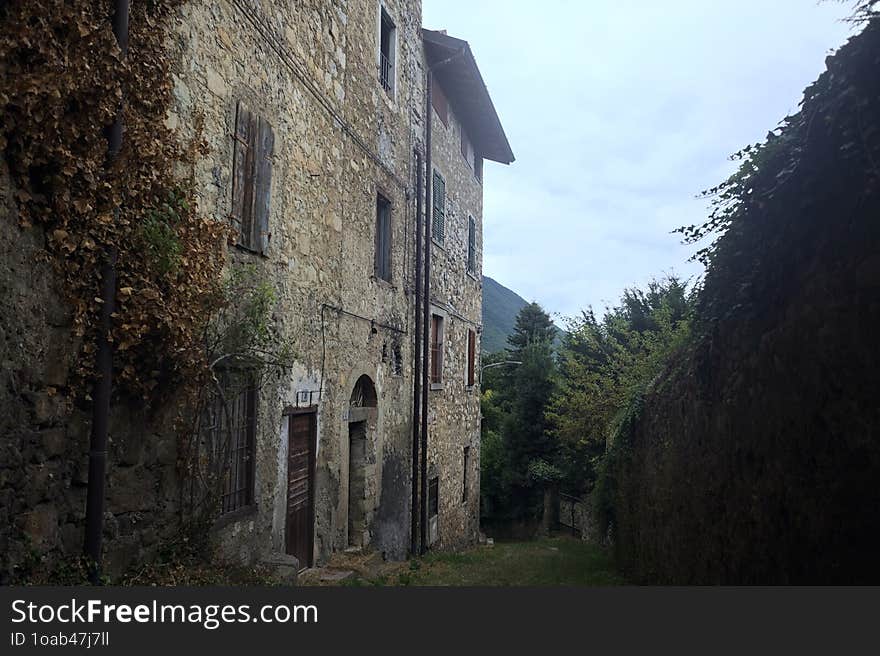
<point x="533" y="326"/>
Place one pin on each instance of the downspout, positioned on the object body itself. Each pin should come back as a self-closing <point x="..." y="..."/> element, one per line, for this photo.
<point x="426" y="328"/>
<point x="104" y="355"/>
<point x="417" y="381"/>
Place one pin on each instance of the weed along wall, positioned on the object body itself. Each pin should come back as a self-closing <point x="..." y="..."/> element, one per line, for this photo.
<point x="754" y="457"/>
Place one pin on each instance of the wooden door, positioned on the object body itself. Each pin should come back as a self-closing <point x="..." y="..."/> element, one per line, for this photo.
<point x="300" y="486"/>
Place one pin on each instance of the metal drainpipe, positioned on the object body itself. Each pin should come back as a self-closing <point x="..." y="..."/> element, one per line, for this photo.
<point x="104" y="356"/>
<point x="417" y="382"/>
<point x="423" y="505"/>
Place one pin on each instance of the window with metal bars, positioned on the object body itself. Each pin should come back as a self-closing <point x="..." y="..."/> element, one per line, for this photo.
<point x="252" y="179"/>
<point x="472" y="245"/>
<point x="436" y="349"/>
<point x="383" y="238"/>
<point x="232" y="424"/>
<point x="387" y="35"/>
<point x="438" y="225"/>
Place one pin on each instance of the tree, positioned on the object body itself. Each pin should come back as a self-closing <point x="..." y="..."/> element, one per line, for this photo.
<point x="515" y="440"/>
<point x="533" y="326"/>
<point x="604" y="364"/>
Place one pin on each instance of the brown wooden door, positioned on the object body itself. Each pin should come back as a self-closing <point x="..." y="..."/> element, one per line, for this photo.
<point x="300" y="487"/>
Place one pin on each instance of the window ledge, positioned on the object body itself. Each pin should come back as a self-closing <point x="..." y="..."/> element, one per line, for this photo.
<point x="438" y="244"/>
<point x="472" y="276"/>
<point x="251" y="251"/>
<point x="436" y="387"/>
<point x="383" y="283"/>
<point x="233" y="516"/>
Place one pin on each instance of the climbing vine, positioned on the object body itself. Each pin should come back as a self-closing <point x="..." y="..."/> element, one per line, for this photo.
<point x="61" y="83"/>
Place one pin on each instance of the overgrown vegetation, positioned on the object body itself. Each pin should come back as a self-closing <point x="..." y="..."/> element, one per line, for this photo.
<point x="751" y="459"/>
<point x="553" y="561"/>
<point x="62" y="83"/>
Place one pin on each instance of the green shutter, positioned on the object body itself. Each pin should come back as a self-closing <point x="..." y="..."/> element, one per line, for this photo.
<point x="438" y="226"/>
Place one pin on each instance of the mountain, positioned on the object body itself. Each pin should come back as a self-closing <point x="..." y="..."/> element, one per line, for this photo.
<point x="500" y="307"/>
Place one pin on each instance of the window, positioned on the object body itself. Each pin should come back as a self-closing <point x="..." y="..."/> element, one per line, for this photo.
<point x="252" y="179"/>
<point x="471" y="357"/>
<point x="433" y="497"/>
<point x="467" y="151"/>
<point x="387" y="37"/>
<point x="464" y="486"/>
<point x="438" y="225"/>
<point x="439" y="102"/>
<point x="478" y="168"/>
<point x="472" y="246"/>
<point x="436" y="349"/>
<point x="383" y="238"/>
<point x="397" y="360"/>
<point x="232" y="427"/>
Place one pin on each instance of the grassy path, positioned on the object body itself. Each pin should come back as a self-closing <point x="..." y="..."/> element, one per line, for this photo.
<point x="554" y="561"/>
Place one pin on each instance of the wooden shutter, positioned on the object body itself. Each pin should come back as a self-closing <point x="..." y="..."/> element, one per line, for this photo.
<point x="472" y="245"/>
<point x="242" y="196"/>
<point x="383" y="238"/>
<point x="472" y="357"/>
<point x="263" y="191"/>
<point x="438" y="226"/>
<point x="436" y="349"/>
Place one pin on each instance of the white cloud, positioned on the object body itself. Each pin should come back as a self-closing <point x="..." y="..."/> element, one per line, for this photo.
<point x="619" y="112"/>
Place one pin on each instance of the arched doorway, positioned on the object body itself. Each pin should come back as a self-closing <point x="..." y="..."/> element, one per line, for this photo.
<point x="361" y="422"/>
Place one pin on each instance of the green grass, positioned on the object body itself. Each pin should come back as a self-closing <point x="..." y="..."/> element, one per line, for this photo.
<point x="550" y="561"/>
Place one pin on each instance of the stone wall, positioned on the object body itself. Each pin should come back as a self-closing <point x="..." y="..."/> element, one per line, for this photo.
<point x="310" y="70"/>
<point x="456" y="294"/>
<point x="754" y="458"/>
<point x="44" y="438"/>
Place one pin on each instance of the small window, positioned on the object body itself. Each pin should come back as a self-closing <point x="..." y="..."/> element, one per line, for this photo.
<point x="472" y="246"/>
<point x="383" y="238"/>
<point x="252" y="179"/>
<point x="387" y="37"/>
<point x="478" y="168"/>
<point x="436" y="349"/>
<point x="467" y="151"/>
<point x="231" y="425"/>
<point x="434" y="497"/>
<point x="439" y="102"/>
<point x="438" y="225"/>
<point x="471" y="358"/>
<point x="466" y="465"/>
<point x="397" y="360"/>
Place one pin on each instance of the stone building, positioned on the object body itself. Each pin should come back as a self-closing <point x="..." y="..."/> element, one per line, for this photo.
<point x="315" y="117"/>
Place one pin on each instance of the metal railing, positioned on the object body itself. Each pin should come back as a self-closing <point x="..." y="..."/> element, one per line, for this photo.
<point x="386" y="72"/>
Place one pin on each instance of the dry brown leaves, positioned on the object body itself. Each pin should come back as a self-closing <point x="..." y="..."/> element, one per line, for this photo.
<point x="61" y="82"/>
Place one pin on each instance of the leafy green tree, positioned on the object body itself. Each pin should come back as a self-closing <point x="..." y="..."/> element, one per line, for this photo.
<point x="604" y="364"/>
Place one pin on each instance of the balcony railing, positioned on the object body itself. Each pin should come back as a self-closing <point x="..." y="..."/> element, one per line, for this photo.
<point x="386" y="72"/>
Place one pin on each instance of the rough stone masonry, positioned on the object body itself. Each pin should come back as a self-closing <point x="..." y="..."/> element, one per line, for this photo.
<point x="327" y="451"/>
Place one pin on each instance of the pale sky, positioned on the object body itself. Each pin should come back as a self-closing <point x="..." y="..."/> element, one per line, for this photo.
<point x="619" y="113"/>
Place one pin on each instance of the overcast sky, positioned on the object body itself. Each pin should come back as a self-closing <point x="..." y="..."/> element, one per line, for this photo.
<point x="619" y="113"/>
